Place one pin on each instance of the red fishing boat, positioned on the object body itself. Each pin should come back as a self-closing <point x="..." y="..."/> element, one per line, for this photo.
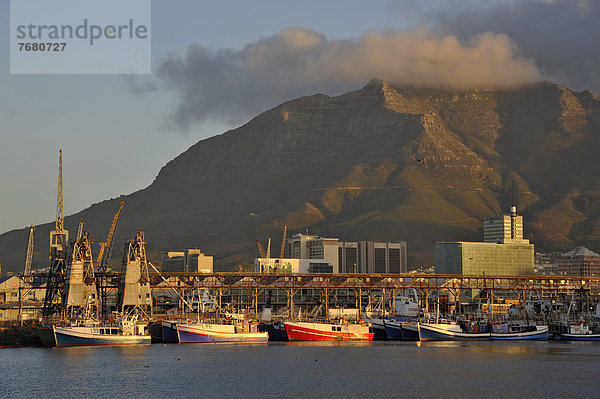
<point x="306" y="331"/>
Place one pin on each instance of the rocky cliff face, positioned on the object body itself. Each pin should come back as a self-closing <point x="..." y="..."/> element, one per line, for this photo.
<point x="383" y="163"/>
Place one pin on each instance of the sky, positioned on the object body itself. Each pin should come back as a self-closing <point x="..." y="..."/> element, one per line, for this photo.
<point x="215" y="65"/>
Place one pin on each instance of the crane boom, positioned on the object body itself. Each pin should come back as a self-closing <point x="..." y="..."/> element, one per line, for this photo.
<point x="80" y="229"/>
<point x="106" y="247"/>
<point x="261" y="249"/>
<point x="283" y="242"/>
<point x="29" y="257"/>
<point x="60" y="221"/>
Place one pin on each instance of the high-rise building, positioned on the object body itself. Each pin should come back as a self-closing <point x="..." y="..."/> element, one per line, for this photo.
<point x="579" y="262"/>
<point x="504" y="229"/>
<point x="372" y="257"/>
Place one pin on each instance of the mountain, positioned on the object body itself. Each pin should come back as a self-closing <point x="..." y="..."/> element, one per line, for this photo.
<point x="384" y="162"/>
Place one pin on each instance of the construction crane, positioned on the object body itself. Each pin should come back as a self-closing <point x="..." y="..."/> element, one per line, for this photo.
<point x="106" y="247"/>
<point x="283" y="242"/>
<point x="29" y="257"/>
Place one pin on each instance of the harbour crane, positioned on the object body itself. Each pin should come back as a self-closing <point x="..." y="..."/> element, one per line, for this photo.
<point x="59" y="239"/>
<point x="80" y="229"/>
<point x="106" y="247"/>
<point x="261" y="249"/>
<point x="29" y="257"/>
<point x="283" y="242"/>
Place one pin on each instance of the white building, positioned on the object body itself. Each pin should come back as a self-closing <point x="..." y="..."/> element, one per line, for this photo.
<point x="190" y="260"/>
<point x="278" y="265"/>
<point x="303" y="246"/>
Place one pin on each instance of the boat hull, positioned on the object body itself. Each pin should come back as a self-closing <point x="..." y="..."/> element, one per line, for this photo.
<point x="203" y="333"/>
<point x="378" y="326"/>
<point x="541" y="332"/>
<point x="169" y="332"/>
<point x="447" y="332"/>
<point x="155" y="330"/>
<point x="277" y="331"/>
<point x="393" y="330"/>
<point x="46" y="335"/>
<point x="300" y="331"/>
<point x="410" y="332"/>
<point x="66" y="336"/>
<point x="579" y="337"/>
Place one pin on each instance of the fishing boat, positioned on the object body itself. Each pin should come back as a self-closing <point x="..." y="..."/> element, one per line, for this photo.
<point x="211" y="332"/>
<point x="204" y="331"/>
<point x="313" y="331"/>
<point x="453" y="331"/>
<point x="126" y="332"/>
<point x="578" y="331"/>
<point x="517" y="331"/>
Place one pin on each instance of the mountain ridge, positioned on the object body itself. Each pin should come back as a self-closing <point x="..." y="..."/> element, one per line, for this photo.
<point x="384" y="162"/>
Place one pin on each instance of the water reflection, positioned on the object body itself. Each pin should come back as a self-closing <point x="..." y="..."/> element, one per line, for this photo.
<point x="328" y="343"/>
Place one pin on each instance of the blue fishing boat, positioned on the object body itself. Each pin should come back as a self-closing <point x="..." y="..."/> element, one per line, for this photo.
<point x="401" y="330"/>
<point x="518" y="331"/>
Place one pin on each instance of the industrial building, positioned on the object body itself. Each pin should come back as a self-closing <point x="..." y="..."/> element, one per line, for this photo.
<point x="190" y="260"/>
<point x="372" y="257"/>
<point x="14" y="290"/>
<point x="503" y="252"/>
<point x="579" y="262"/>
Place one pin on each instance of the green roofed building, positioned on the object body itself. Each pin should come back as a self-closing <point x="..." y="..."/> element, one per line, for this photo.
<point x="505" y="252"/>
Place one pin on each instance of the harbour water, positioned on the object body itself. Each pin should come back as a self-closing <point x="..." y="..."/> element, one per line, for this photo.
<point x="540" y="369"/>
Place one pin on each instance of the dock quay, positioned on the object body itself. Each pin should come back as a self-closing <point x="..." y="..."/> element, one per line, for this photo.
<point x="178" y="295"/>
<point x="254" y="290"/>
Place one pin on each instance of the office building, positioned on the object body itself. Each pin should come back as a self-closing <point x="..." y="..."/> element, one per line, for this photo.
<point x="579" y="262"/>
<point x="503" y="252"/>
<point x="484" y="258"/>
<point x="372" y="257"/>
<point x="304" y="246"/>
<point x="504" y="229"/>
<point x="190" y="260"/>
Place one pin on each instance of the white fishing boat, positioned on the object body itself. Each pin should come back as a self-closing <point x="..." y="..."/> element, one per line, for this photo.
<point x="452" y="331"/>
<point x="126" y="332"/>
<point x="578" y="331"/>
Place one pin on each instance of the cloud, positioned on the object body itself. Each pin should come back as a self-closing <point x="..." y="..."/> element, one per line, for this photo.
<point x="234" y="84"/>
<point x="563" y="36"/>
